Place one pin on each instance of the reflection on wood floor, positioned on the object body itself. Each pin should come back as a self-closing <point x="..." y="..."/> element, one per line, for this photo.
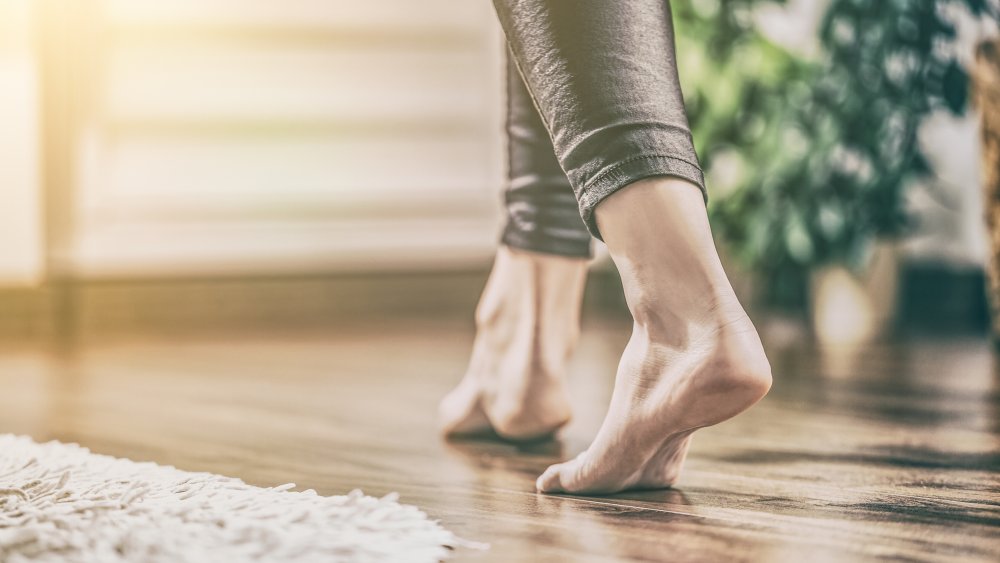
<point x="889" y="452"/>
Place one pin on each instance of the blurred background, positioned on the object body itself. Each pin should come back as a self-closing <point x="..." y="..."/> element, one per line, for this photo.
<point x="248" y="237"/>
<point x="205" y="164"/>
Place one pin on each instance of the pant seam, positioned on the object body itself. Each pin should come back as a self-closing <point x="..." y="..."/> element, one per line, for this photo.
<point x="597" y="179"/>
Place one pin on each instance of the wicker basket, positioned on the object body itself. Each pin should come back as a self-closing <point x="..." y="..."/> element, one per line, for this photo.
<point x="986" y="95"/>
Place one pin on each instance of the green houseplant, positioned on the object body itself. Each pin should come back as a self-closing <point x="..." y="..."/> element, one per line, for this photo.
<point x="823" y="150"/>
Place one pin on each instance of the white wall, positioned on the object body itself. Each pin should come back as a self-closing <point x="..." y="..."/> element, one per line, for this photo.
<point x="257" y="136"/>
<point x="20" y="214"/>
<point x="950" y="212"/>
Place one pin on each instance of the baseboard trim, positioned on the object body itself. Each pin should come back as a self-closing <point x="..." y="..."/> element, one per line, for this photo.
<point x="184" y="305"/>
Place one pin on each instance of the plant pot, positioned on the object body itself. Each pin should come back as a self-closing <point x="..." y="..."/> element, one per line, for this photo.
<point x="851" y="308"/>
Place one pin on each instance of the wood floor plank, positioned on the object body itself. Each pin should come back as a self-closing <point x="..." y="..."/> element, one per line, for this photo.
<point x="892" y="451"/>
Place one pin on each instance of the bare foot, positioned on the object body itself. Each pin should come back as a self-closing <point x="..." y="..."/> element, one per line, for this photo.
<point x="527" y="324"/>
<point x="694" y="358"/>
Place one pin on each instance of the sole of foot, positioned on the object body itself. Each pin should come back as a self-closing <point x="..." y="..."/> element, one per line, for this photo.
<point x="661" y="397"/>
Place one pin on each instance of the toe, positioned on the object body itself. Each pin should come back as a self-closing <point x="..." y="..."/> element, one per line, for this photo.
<point x="551" y="480"/>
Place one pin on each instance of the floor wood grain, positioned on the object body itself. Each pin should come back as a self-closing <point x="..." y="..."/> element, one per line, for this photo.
<point x="892" y="451"/>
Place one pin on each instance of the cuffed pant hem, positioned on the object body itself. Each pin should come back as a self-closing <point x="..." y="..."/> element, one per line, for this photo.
<point x="631" y="170"/>
<point x="534" y="242"/>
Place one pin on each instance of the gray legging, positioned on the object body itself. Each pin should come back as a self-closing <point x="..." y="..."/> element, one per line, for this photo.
<point x="594" y="104"/>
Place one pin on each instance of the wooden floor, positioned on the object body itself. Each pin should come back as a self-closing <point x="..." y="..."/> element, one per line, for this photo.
<point x="891" y="452"/>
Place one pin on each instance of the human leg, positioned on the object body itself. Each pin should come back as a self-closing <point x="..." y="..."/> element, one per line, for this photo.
<point x="527" y="320"/>
<point x="604" y="77"/>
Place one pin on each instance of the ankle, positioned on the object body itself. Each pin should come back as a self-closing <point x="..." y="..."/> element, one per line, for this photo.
<point x="676" y="311"/>
<point x="530" y="288"/>
<point x="720" y="331"/>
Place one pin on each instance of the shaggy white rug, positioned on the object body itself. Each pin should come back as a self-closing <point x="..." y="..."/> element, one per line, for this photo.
<point x="60" y="502"/>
